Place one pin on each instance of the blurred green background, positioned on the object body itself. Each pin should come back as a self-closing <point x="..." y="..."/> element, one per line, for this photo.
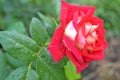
<point x="12" y="11"/>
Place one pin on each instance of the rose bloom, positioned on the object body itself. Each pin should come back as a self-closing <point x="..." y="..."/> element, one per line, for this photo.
<point x="80" y="36"/>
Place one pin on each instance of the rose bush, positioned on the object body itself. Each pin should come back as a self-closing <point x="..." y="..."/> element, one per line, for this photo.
<point x="80" y="36"/>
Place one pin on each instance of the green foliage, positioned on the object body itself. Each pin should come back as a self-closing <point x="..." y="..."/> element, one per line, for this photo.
<point x="27" y="56"/>
<point x="70" y="71"/>
<point x="20" y="46"/>
<point x="47" y="69"/>
<point x="32" y="75"/>
<point x="18" y="26"/>
<point x="23" y="74"/>
<point x="23" y="54"/>
<point x="12" y="11"/>
<point x="50" y="24"/>
<point x="57" y="3"/>
<point x="22" y="10"/>
<point x="15" y="63"/>
<point x="3" y="66"/>
<point x="17" y="74"/>
<point x="38" y="32"/>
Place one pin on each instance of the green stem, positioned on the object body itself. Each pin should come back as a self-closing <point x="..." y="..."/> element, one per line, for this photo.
<point x="28" y="70"/>
<point x="40" y="50"/>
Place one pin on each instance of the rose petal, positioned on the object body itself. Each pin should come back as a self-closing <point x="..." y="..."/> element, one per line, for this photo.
<point x="67" y="11"/>
<point x="82" y="66"/>
<point x="72" y="48"/>
<point x="70" y="31"/>
<point x="90" y="39"/>
<point x="88" y="14"/>
<point x="80" y="41"/>
<point x="87" y="28"/>
<point x="55" y="43"/>
<point x="64" y="12"/>
<point x="79" y="66"/>
<point x="96" y="55"/>
<point x="75" y="20"/>
<point x="62" y="44"/>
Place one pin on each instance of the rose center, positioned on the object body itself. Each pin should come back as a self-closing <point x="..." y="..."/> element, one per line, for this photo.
<point x="91" y="35"/>
<point x="86" y="34"/>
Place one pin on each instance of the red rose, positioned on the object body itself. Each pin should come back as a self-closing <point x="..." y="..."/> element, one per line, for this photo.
<point x="80" y="36"/>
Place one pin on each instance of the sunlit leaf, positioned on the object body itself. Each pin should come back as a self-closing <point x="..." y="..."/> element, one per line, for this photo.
<point x="70" y="71"/>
